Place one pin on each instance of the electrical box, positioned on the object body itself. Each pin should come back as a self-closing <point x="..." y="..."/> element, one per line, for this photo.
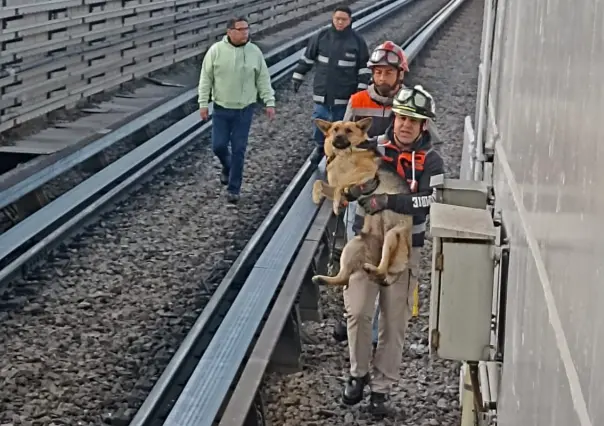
<point x="459" y="192"/>
<point x="462" y="282"/>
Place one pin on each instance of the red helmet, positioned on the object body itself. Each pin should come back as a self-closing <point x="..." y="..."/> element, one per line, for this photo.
<point x="389" y="53"/>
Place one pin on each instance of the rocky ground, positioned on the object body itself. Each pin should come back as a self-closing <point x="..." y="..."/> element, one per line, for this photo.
<point x="427" y="393"/>
<point x="84" y="337"/>
<point x="185" y="73"/>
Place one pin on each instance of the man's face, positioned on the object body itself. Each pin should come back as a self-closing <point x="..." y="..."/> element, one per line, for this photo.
<point x="407" y="129"/>
<point x="385" y="79"/>
<point x="240" y="33"/>
<point x="341" y="20"/>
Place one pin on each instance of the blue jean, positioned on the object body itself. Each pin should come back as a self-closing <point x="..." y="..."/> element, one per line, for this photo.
<point x="231" y="127"/>
<point x="329" y="113"/>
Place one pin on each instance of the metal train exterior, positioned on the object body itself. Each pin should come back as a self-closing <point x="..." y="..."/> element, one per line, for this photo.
<point x="538" y="143"/>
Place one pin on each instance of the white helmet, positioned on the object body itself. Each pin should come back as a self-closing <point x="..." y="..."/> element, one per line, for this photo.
<point x="416" y="103"/>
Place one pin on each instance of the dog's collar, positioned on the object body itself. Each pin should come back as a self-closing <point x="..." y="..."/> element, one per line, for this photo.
<point x="370" y="185"/>
<point x="369" y="144"/>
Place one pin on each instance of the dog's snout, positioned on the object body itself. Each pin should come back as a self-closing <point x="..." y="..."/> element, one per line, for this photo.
<point x="341" y="142"/>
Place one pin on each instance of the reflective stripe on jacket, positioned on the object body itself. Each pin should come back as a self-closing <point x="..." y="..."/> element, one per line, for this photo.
<point x="340" y="58"/>
<point x="369" y="103"/>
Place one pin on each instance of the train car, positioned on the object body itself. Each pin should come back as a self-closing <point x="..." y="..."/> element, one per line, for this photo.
<point x="535" y="153"/>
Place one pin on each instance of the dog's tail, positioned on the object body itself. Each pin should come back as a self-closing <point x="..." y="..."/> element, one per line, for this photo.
<point x="340" y="279"/>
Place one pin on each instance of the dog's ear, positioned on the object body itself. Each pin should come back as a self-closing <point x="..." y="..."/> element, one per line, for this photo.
<point x="323" y="125"/>
<point x="364" y="124"/>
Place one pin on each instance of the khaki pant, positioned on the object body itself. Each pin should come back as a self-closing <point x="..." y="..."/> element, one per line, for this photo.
<point x="396" y="304"/>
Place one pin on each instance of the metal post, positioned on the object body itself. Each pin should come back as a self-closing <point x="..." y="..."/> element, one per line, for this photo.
<point x="286" y="355"/>
<point x="309" y="296"/>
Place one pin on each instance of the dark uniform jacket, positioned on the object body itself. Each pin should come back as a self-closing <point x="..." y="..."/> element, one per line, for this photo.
<point x="341" y="65"/>
<point x="428" y="163"/>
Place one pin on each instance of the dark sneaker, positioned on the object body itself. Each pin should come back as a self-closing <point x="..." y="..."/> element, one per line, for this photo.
<point x="224" y="177"/>
<point x="340" y="332"/>
<point x="233" y="198"/>
<point x="377" y="404"/>
<point x="353" y="391"/>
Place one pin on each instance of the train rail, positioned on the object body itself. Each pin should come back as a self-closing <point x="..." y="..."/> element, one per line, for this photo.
<point x="117" y="300"/>
<point x="32" y="179"/>
<point x="254" y="316"/>
<point x="34" y="236"/>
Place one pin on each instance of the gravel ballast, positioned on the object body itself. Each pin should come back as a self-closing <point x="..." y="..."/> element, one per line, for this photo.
<point x="428" y="391"/>
<point x="84" y="336"/>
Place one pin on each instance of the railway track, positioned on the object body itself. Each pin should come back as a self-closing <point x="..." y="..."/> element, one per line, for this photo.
<point x="30" y="239"/>
<point x="225" y="356"/>
<point x="22" y="192"/>
<point x="428" y="392"/>
<point x="116" y="300"/>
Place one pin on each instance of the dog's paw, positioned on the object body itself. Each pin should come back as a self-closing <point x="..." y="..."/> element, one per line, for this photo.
<point x="369" y="268"/>
<point x="317" y="192"/>
<point x="316" y="197"/>
<point x="336" y="209"/>
<point x="388" y="280"/>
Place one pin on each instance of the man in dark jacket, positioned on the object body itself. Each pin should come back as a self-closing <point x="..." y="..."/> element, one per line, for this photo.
<point x="407" y="151"/>
<point x="341" y="56"/>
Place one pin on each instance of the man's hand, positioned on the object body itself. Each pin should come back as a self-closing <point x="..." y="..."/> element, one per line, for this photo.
<point x="374" y="204"/>
<point x="204" y="113"/>
<point x="270" y="112"/>
<point x="296" y="85"/>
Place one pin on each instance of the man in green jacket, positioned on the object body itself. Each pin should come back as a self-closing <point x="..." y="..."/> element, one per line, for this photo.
<point x="234" y="72"/>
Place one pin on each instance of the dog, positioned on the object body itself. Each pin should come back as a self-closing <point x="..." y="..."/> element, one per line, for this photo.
<point x="385" y="239"/>
<point x="349" y="162"/>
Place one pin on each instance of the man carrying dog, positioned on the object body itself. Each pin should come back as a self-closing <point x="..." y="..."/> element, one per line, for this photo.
<point x="235" y="73"/>
<point x="341" y="55"/>
<point x="388" y="65"/>
<point x="407" y="150"/>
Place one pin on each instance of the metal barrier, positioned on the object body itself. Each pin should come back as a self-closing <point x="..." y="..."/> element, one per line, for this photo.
<point x="261" y="325"/>
<point x="61" y="162"/>
<point x="64" y="215"/>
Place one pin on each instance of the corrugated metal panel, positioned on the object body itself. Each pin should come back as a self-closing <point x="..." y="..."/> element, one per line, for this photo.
<point x="548" y="181"/>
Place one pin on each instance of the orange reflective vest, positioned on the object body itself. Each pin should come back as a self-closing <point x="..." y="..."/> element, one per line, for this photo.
<point x="362" y="105"/>
<point x="408" y="165"/>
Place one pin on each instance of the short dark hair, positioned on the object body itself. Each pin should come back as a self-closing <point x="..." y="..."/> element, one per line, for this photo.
<point x="231" y="22"/>
<point x="344" y="9"/>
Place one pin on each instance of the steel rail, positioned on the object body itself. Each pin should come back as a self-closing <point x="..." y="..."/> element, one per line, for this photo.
<point x="60" y="162"/>
<point x="57" y="220"/>
<point x="166" y="390"/>
<point x="223" y="363"/>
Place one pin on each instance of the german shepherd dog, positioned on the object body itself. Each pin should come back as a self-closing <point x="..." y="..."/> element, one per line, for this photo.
<point x="386" y="236"/>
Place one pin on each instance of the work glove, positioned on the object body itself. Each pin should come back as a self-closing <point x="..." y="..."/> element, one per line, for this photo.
<point x="296" y="85"/>
<point x="366" y="188"/>
<point x="374" y="204"/>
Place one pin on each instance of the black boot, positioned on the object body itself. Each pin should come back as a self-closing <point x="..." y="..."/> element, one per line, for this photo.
<point x="353" y="391"/>
<point x="377" y="404"/>
<point x="340" y="332"/>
